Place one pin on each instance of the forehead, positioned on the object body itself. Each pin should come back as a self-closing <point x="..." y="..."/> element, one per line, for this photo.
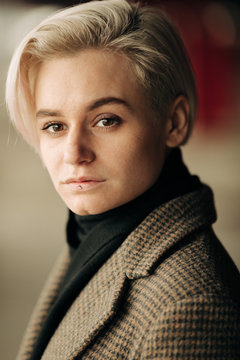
<point x="89" y="74"/>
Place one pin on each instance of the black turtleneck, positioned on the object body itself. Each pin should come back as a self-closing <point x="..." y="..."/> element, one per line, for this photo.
<point x="92" y="239"/>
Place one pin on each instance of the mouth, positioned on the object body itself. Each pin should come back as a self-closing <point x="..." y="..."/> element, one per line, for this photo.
<point x="82" y="183"/>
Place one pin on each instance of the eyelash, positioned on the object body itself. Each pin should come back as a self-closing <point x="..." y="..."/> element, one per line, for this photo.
<point x="114" y="119"/>
<point x="50" y="125"/>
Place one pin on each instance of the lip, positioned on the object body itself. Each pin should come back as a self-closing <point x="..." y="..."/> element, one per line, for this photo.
<point x="82" y="183"/>
<point x="81" y="179"/>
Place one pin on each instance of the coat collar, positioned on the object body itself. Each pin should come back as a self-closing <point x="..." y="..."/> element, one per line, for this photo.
<point x="95" y="306"/>
<point x="146" y="246"/>
<point x="164" y="228"/>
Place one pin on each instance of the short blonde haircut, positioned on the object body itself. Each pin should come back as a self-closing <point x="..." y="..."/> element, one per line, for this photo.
<point x="144" y="34"/>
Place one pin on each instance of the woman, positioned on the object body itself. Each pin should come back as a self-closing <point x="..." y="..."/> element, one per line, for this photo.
<point x="105" y="93"/>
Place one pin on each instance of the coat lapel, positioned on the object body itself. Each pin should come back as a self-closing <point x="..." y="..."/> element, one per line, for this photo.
<point x="91" y="311"/>
<point x="43" y="305"/>
<point x="164" y="228"/>
<point x="147" y="246"/>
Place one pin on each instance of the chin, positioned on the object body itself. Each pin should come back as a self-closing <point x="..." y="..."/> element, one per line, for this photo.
<point x="92" y="208"/>
<point x="87" y="209"/>
<point x="94" y="205"/>
<point x="79" y="210"/>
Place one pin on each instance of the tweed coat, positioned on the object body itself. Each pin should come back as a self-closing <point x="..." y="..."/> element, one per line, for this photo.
<point x="170" y="291"/>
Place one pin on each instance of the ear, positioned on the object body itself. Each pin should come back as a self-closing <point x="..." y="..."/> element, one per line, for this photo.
<point x="177" y="122"/>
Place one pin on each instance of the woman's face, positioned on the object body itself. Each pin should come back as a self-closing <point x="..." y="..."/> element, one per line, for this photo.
<point x="98" y="137"/>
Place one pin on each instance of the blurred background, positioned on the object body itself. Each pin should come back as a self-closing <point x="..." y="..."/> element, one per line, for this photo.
<point x="33" y="218"/>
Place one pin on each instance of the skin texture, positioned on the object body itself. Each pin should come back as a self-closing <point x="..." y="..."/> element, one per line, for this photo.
<point x="112" y="150"/>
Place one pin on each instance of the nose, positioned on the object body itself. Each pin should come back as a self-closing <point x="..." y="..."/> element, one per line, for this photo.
<point x="78" y="148"/>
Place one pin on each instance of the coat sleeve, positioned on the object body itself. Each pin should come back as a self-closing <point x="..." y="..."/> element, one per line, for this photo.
<point x="203" y="327"/>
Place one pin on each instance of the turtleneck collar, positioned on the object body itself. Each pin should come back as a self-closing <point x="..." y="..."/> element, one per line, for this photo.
<point x="92" y="239"/>
<point x="175" y="180"/>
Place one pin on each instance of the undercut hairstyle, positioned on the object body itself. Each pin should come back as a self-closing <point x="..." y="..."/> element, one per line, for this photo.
<point x="143" y="33"/>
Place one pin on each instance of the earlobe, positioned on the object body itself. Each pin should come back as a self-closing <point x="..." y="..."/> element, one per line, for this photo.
<point x="177" y="122"/>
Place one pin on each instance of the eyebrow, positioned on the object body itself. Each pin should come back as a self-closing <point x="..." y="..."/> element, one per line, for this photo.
<point x="96" y="104"/>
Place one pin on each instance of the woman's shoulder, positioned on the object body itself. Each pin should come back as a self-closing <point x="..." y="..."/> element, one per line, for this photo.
<point x="197" y="266"/>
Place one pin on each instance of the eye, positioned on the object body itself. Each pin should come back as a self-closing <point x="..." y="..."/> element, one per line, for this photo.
<point x="107" y="122"/>
<point x="54" y="127"/>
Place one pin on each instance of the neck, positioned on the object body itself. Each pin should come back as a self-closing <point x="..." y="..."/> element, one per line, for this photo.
<point x="174" y="180"/>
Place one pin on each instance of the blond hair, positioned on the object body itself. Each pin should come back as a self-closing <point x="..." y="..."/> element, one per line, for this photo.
<point x="144" y="34"/>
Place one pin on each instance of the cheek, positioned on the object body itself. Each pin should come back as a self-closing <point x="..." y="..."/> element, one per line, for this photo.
<point x="141" y="157"/>
<point x="51" y="161"/>
<point x="149" y="149"/>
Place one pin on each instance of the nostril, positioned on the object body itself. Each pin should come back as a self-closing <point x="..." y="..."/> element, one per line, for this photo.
<point x="78" y="154"/>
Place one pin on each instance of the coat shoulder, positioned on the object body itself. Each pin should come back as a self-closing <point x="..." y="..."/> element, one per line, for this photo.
<point x="195" y="306"/>
<point x="200" y="327"/>
<point x="197" y="265"/>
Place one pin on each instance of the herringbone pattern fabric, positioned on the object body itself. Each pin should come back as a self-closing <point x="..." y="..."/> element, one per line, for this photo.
<point x="169" y="292"/>
<point x="45" y="301"/>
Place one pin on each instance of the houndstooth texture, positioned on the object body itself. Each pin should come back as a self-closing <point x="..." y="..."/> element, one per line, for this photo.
<point x="43" y="305"/>
<point x="169" y="292"/>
